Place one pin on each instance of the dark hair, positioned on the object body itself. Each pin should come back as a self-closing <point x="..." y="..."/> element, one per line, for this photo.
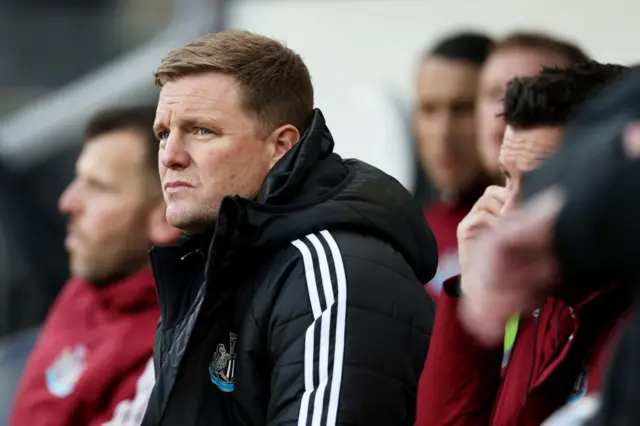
<point x="463" y="46"/>
<point x="273" y="80"/>
<point x="543" y="42"/>
<point x="553" y="96"/>
<point x="138" y="118"/>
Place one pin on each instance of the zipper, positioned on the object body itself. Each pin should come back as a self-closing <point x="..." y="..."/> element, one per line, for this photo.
<point x="536" y="315"/>
<point x="564" y="350"/>
<point x="156" y="269"/>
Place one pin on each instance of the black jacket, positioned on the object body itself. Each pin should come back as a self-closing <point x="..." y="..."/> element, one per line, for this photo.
<point x="312" y="310"/>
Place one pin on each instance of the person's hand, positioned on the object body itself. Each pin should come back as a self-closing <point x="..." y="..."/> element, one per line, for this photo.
<point x="483" y="216"/>
<point x="513" y="268"/>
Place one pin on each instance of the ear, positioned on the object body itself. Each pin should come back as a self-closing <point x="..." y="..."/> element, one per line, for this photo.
<point x="283" y="139"/>
<point x="160" y="232"/>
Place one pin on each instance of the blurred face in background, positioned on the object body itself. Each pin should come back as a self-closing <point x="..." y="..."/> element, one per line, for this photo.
<point x="110" y="204"/>
<point x="522" y="151"/>
<point x="502" y="66"/>
<point x="444" y="122"/>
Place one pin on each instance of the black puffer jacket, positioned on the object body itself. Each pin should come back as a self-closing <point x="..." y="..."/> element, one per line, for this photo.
<point x="304" y="307"/>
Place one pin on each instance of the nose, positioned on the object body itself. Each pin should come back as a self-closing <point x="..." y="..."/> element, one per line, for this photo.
<point x="444" y="124"/>
<point x="70" y="202"/>
<point x="442" y="131"/>
<point x="173" y="154"/>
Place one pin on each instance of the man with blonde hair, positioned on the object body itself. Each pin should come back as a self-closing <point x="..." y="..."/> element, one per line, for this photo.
<point x="296" y="294"/>
<point x="519" y="54"/>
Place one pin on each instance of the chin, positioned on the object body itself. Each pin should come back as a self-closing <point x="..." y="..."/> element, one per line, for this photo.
<point x="177" y="214"/>
<point x="186" y="222"/>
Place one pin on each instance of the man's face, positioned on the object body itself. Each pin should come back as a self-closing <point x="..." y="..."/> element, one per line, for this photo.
<point x="210" y="148"/>
<point x="108" y="204"/>
<point x="444" y="122"/>
<point x="501" y="67"/>
<point x="523" y="151"/>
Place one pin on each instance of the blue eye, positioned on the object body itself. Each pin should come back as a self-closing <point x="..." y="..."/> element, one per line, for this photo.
<point x="162" y="136"/>
<point x="204" y="132"/>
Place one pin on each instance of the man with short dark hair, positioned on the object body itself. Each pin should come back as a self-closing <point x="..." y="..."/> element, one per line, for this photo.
<point x="562" y="342"/>
<point x="579" y="218"/>
<point x="445" y="129"/>
<point x="98" y="336"/>
<point x="297" y="294"/>
<point x="520" y="54"/>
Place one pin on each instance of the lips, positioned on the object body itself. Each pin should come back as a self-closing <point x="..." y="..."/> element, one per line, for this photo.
<point x="177" y="186"/>
<point x="72" y="241"/>
<point x="448" y="163"/>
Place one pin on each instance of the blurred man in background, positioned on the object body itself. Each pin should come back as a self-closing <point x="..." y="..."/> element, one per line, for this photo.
<point x="520" y="54"/>
<point x="445" y="129"/>
<point x="98" y="336"/>
<point x="560" y="348"/>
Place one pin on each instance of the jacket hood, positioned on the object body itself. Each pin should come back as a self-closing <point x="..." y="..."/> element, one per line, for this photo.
<point x="312" y="189"/>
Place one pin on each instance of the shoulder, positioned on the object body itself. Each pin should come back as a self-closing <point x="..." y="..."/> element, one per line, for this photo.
<point x="371" y="274"/>
<point x="357" y="253"/>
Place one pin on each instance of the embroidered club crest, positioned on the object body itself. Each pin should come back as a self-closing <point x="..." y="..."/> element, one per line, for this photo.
<point x="223" y="365"/>
<point x="63" y="375"/>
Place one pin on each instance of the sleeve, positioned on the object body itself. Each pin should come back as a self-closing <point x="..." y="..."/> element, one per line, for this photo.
<point x="460" y="380"/>
<point x="349" y="336"/>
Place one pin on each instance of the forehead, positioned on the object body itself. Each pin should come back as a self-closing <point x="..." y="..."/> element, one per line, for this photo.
<point x="114" y="156"/>
<point x="440" y="78"/>
<point x="523" y="150"/>
<point x="197" y="95"/>
<point x="512" y="62"/>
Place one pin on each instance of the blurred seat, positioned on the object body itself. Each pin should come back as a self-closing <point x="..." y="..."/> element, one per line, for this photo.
<point x="14" y="352"/>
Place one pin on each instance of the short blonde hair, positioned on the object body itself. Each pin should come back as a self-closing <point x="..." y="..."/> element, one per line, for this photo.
<point x="542" y="42"/>
<point x="274" y="83"/>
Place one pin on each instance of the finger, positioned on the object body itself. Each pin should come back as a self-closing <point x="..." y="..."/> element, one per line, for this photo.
<point x="492" y="200"/>
<point x="483" y="220"/>
<point x="500" y="193"/>
<point x="532" y="226"/>
<point x="480" y="220"/>
<point x="490" y="204"/>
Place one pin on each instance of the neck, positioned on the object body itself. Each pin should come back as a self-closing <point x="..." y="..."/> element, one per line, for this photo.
<point x="467" y="195"/>
<point x="115" y="277"/>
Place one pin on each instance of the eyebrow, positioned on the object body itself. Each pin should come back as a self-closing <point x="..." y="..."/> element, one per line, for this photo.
<point x="157" y="128"/>
<point x="188" y="122"/>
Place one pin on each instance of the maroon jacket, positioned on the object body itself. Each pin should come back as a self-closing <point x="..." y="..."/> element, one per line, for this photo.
<point x="443" y="217"/>
<point x="94" y="346"/>
<point x="558" y="356"/>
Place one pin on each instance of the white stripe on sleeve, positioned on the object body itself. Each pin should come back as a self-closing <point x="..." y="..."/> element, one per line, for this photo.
<point x="323" y="405"/>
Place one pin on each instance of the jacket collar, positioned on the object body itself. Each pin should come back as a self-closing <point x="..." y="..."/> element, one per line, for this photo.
<point x="136" y="292"/>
